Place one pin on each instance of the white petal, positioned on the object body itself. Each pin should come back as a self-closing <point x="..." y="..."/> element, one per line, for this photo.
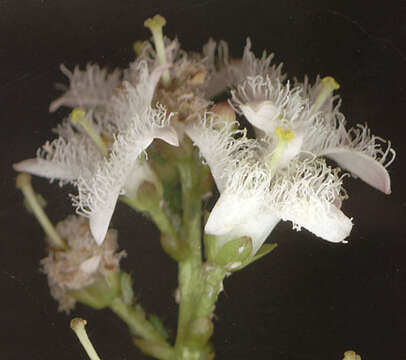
<point x="91" y="87"/>
<point x="90" y="265"/>
<point x="362" y="166"/>
<point x="328" y="222"/>
<point x="237" y="216"/>
<point x="45" y="169"/>
<point x="167" y="134"/>
<point x="100" y="218"/>
<point x="262" y="115"/>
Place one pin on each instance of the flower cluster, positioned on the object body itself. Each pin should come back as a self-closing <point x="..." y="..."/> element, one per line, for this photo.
<point x="280" y="175"/>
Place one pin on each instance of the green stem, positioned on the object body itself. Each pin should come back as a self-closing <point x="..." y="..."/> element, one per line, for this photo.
<point x="212" y="288"/>
<point x="157" y="214"/>
<point x="191" y="204"/>
<point x="24" y="184"/>
<point x="190" y="281"/>
<point x="135" y="318"/>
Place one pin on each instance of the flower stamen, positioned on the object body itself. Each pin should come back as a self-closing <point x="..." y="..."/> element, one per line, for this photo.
<point x="156" y="24"/>
<point x="78" y="326"/>
<point x="24" y="184"/>
<point x="78" y="116"/>
<point x="328" y="85"/>
<point x="284" y="137"/>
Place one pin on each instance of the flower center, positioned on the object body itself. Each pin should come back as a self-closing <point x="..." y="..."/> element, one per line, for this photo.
<point x="284" y="136"/>
<point x="328" y="85"/>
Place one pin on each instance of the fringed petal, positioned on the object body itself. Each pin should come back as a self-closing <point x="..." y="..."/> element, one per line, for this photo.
<point x="167" y="134"/>
<point x="268" y="103"/>
<point x="305" y="193"/>
<point x="235" y="215"/>
<point x="355" y="150"/>
<point x="99" y="220"/>
<point x="327" y="222"/>
<point x="363" y="166"/>
<point x="47" y="169"/>
<point x="90" y="88"/>
<point x="221" y="145"/>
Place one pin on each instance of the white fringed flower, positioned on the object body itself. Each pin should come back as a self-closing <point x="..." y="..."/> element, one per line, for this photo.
<point x="66" y="158"/>
<point x="254" y="198"/>
<point x="319" y="127"/>
<point x="131" y="124"/>
<point x="90" y="88"/>
<point x="98" y="194"/>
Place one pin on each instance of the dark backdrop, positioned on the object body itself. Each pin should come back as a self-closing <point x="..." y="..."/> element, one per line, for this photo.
<point x="309" y="299"/>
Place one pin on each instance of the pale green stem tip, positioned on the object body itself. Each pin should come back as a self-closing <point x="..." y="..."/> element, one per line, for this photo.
<point x="78" y="326"/>
<point x="23" y="183"/>
<point x="78" y="116"/>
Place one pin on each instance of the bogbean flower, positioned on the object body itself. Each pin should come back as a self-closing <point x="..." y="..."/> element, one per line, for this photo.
<point x="255" y="194"/>
<point x="318" y="126"/>
<point x="101" y="156"/>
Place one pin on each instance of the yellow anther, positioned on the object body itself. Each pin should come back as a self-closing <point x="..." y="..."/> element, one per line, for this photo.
<point x="156" y="22"/>
<point x="283" y="134"/>
<point x="328" y="85"/>
<point x="138" y="46"/>
<point x="78" y="115"/>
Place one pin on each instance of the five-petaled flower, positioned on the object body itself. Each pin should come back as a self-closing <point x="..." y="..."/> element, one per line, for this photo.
<point x="128" y="124"/>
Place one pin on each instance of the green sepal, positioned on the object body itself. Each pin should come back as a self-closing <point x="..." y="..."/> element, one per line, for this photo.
<point x="101" y="293"/>
<point x="230" y="255"/>
<point x="158" y="325"/>
<point x="264" y="250"/>
<point x="127" y="293"/>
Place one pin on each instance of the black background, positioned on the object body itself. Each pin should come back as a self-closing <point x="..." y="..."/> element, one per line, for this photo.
<point x="309" y="299"/>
